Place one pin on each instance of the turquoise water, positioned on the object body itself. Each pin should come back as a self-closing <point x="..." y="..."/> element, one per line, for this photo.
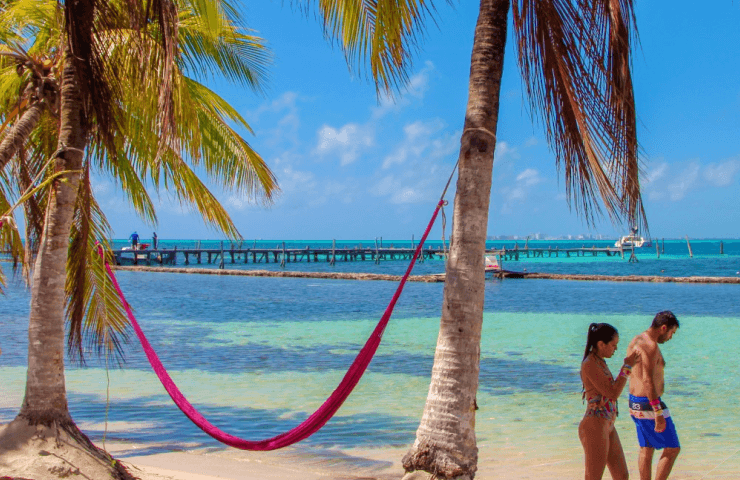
<point x="257" y="355"/>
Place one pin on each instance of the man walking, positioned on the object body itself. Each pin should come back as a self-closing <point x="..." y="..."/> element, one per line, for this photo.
<point x="655" y="428"/>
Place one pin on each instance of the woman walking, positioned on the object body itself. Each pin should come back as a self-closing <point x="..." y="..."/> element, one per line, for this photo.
<point x="600" y="440"/>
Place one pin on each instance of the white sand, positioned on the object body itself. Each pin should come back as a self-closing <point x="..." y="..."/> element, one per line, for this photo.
<point x="514" y="459"/>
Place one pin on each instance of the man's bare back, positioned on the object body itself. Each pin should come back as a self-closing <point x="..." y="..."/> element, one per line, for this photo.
<point x="647" y="378"/>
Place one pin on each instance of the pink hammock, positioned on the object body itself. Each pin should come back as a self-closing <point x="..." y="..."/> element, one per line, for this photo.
<point x="319" y="418"/>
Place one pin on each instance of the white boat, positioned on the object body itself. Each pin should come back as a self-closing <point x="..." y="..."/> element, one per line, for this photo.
<point x="632" y="240"/>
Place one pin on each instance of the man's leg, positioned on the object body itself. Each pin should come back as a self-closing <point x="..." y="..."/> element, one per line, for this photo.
<point x="665" y="464"/>
<point x="645" y="463"/>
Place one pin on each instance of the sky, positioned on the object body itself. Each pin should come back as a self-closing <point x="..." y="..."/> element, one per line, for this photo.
<point x="353" y="166"/>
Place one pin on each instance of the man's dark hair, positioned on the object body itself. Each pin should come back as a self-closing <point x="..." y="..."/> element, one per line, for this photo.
<point x="666" y="318"/>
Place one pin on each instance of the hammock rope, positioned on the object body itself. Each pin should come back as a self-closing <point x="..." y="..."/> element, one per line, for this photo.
<point x="332" y="404"/>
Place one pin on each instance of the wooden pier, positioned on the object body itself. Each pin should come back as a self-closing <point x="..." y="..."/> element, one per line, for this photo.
<point x="282" y="255"/>
<point x="517" y="253"/>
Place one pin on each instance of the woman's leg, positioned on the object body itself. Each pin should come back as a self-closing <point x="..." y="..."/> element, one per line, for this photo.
<point x="594" y="435"/>
<point x="615" y="460"/>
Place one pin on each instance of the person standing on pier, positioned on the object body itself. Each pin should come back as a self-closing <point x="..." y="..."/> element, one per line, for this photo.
<point x="655" y="428"/>
<point x="134" y="240"/>
<point x="154" y="240"/>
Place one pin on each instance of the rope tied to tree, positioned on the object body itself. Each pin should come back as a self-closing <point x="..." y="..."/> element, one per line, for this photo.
<point x="480" y="129"/>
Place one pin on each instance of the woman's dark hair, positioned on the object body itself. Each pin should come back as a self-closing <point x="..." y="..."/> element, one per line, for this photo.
<point x="598" y="332"/>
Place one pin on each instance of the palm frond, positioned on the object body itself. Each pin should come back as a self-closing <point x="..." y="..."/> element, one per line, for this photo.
<point x="126" y="174"/>
<point x="11" y="241"/>
<point x="95" y="314"/>
<point x="575" y="64"/>
<point x="382" y="33"/>
<point x="227" y="158"/>
<point x="190" y="190"/>
<point x="239" y="57"/>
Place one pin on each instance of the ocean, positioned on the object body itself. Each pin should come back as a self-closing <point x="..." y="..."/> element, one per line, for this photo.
<point x="258" y="355"/>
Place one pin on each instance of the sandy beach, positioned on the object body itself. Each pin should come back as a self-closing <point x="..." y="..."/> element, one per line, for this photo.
<point x="514" y="462"/>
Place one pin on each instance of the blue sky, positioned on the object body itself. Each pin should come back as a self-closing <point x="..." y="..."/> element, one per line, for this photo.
<point x="351" y="167"/>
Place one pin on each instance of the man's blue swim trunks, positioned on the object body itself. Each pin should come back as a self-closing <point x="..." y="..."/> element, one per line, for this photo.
<point x="644" y="417"/>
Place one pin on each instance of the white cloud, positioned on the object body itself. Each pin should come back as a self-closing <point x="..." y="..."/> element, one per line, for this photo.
<point x="335" y="191"/>
<point x="408" y="187"/>
<point x="419" y="83"/>
<point x="504" y="154"/>
<point x="286" y="101"/>
<point x="684" y="182"/>
<point x="416" y="88"/>
<point x="286" y="124"/>
<point x="385" y="186"/>
<point x="529" y="177"/>
<point x="674" y="182"/>
<point x="347" y="141"/>
<point x="721" y="174"/>
<point x="407" y="195"/>
<point x="417" y="141"/>
<point x="101" y="187"/>
<point x="656" y="173"/>
<point x="519" y="191"/>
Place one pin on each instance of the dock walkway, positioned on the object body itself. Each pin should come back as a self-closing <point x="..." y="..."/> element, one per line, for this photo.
<point x="282" y="255"/>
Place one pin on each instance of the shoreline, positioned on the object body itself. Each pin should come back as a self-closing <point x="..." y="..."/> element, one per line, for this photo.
<point x="434" y="278"/>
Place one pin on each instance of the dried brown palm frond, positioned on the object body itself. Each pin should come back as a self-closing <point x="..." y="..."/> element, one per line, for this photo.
<point x="83" y="22"/>
<point x="165" y="11"/>
<point x="575" y="61"/>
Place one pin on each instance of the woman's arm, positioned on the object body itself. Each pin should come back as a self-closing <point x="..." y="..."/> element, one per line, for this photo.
<point x="601" y="381"/>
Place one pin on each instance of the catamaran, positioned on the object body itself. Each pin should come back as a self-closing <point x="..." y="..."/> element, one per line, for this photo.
<point x="632" y="240"/>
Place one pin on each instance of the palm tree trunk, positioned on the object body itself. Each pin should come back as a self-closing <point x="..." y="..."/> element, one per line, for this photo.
<point x="19" y="133"/>
<point x="46" y="397"/>
<point x="445" y="443"/>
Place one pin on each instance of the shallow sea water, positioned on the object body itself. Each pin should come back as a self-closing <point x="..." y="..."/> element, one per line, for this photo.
<point x="257" y="355"/>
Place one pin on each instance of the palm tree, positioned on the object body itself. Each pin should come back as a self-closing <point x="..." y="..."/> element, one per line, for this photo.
<point x="107" y="124"/>
<point x="195" y="133"/>
<point x="574" y="56"/>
